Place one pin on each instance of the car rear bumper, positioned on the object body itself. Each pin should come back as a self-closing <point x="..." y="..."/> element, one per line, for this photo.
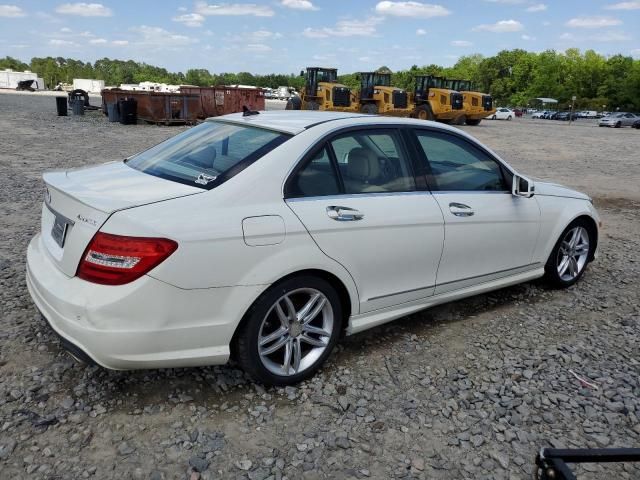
<point x="144" y="324"/>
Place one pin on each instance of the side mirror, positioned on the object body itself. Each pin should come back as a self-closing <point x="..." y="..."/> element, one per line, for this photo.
<point x="522" y="186"/>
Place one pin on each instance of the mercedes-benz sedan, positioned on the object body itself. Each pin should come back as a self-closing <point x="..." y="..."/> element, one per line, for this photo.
<point x="617" y="120"/>
<point x="266" y="237"/>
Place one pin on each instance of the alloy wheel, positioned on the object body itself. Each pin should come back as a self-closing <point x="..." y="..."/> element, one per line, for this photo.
<point x="573" y="253"/>
<point x="295" y="331"/>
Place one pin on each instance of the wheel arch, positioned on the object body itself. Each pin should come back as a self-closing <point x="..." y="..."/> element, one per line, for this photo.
<point x="592" y="226"/>
<point x="346" y="300"/>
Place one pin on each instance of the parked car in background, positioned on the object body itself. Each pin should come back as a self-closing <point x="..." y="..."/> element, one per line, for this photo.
<point x="565" y="116"/>
<point x="260" y="237"/>
<point x="618" y="119"/>
<point x="517" y="112"/>
<point x="539" y="114"/>
<point x="587" y="114"/>
<point x="283" y="93"/>
<point x="502" y="114"/>
<point x="636" y="124"/>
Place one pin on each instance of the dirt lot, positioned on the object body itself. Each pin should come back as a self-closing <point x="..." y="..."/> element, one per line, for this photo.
<point x="467" y="390"/>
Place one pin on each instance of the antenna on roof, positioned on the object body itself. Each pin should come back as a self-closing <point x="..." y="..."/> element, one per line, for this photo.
<point x="246" y="111"/>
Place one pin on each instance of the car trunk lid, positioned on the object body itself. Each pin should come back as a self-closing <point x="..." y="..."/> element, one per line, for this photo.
<point x="78" y="202"/>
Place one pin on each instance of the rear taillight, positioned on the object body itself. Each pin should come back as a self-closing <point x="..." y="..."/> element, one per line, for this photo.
<point x="116" y="259"/>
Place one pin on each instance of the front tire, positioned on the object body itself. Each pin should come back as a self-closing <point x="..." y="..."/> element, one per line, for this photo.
<point x="509" y="117"/>
<point x="369" y="109"/>
<point x="423" y="112"/>
<point x="290" y="331"/>
<point x="474" y="122"/>
<point x="570" y="255"/>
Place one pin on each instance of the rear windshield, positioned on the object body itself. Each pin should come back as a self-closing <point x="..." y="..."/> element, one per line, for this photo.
<point x="207" y="155"/>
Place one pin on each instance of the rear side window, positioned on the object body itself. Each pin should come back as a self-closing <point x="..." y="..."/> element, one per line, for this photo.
<point x="316" y="179"/>
<point x="362" y="161"/>
<point x="458" y="166"/>
<point x="208" y="154"/>
<point x="371" y="162"/>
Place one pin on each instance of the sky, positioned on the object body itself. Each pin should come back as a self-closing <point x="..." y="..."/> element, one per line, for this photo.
<point x="285" y="36"/>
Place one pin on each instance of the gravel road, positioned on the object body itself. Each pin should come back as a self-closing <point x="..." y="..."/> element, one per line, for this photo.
<point x="471" y="389"/>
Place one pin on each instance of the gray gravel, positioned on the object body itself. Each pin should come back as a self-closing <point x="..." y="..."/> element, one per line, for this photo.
<point x="467" y="390"/>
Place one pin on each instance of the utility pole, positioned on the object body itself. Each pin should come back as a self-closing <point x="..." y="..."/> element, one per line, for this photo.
<point x="573" y="102"/>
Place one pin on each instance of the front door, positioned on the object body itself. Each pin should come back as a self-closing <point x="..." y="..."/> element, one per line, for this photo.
<point x="357" y="197"/>
<point x="489" y="233"/>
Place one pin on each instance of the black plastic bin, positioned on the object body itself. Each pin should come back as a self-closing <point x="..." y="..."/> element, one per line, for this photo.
<point x="128" y="108"/>
<point x="61" y="106"/>
<point x="77" y="107"/>
<point x="112" y="112"/>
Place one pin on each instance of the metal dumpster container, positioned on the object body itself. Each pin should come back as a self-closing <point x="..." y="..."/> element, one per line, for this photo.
<point x="221" y="100"/>
<point x="158" y="107"/>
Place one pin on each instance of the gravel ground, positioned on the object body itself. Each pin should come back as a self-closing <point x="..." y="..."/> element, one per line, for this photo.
<point x="470" y="389"/>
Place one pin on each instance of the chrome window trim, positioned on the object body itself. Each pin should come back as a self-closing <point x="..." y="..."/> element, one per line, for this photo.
<point x="356" y="195"/>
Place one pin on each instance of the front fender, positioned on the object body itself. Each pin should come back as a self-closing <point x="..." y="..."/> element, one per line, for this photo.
<point x="556" y="214"/>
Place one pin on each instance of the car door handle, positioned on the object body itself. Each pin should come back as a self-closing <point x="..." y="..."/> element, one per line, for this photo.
<point x="344" y="214"/>
<point x="461" y="210"/>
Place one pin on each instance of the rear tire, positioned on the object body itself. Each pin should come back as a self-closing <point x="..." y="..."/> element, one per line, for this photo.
<point x="461" y="120"/>
<point x="423" y="112"/>
<point x="473" y="123"/>
<point x="570" y="255"/>
<point x="369" y="109"/>
<point x="278" y="343"/>
<point x="294" y="103"/>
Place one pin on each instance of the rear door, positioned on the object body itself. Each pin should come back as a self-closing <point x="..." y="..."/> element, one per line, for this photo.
<point x="489" y="233"/>
<point x="358" y="198"/>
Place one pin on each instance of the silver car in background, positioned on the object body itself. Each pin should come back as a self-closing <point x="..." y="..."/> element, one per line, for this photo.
<point x="618" y="119"/>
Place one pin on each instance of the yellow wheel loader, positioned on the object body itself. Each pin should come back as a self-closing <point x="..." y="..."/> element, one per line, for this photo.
<point x="377" y="96"/>
<point x="323" y="92"/>
<point x="433" y="101"/>
<point x="477" y="105"/>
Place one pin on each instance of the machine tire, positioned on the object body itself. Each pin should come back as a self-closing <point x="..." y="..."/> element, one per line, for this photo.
<point x="461" y="120"/>
<point x="423" y="112"/>
<point x="310" y="106"/>
<point x="294" y="103"/>
<point x="473" y="123"/>
<point x="369" y="109"/>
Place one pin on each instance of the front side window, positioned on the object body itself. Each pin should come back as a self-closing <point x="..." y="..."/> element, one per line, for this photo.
<point x="458" y="166"/>
<point x="372" y="161"/>
<point x="206" y="155"/>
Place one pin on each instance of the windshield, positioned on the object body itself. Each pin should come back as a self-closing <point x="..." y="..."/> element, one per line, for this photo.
<point x="207" y="155"/>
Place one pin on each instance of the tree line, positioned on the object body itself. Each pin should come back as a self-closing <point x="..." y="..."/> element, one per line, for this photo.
<point x="513" y="77"/>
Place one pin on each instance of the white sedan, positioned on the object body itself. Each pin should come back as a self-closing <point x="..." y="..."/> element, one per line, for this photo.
<point x="502" y="114"/>
<point x="268" y="236"/>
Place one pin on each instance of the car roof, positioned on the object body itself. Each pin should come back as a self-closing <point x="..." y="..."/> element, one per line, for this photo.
<point x="286" y="121"/>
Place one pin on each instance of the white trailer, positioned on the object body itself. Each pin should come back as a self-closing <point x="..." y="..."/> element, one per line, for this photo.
<point x="10" y="79"/>
<point x="88" y="85"/>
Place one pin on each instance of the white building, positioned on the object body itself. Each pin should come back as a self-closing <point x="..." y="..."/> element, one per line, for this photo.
<point x="10" y="79"/>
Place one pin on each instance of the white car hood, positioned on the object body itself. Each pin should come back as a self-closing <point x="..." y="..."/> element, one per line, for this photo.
<point x="555" y="190"/>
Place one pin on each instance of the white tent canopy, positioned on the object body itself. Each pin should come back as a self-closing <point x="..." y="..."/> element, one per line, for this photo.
<point x="547" y="100"/>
